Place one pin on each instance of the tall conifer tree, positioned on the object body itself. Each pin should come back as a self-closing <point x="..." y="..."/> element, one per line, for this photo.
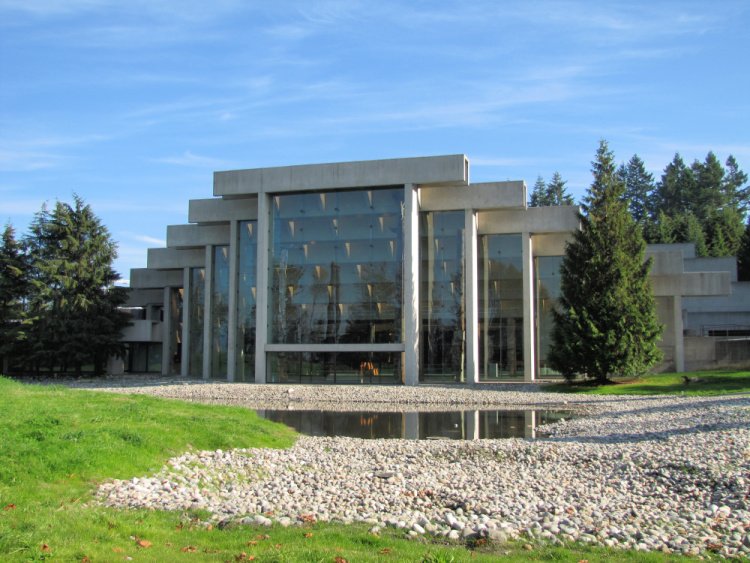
<point x="13" y="291"/>
<point x="606" y="325"/>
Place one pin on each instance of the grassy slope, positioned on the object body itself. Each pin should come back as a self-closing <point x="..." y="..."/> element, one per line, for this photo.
<point x="717" y="382"/>
<point x="57" y="444"/>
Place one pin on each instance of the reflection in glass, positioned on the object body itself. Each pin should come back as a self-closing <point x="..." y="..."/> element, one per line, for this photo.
<point x="500" y="307"/>
<point x="336" y="267"/>
<point x="197" y="307"/>
<point x="441" y="277"/>
<point x="219" y="311"/>
<point x="334" y="367"/>
<point x="246" y="292"/>
<point x="547" y="295"/>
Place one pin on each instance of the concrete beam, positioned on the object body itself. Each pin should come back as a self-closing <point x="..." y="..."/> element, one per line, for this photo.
<point x="692" y="284"/>
<point x="450" y="169"/>
<point x="193" y="236"/>
<point x="489" y="195"/>
<point x="556" y="219"/>
<point x="145" y="297"/>
<point x="665" y="261"/>
<point x="173" y="258"/>
<point x="551" y="244"/>
<point x="219" y="210"/>
<point x="145" y="278"/>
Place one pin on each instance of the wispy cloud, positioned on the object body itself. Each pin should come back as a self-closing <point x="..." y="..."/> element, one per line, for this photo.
<point x="190" y="159"/>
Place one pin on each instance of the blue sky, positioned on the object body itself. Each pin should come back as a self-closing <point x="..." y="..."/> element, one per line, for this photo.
<point x="134" y="104"/>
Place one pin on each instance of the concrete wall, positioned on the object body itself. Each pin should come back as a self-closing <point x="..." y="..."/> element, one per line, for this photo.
<point x="195" y="236"/>
<point x="490" y="195"/>
<point x="219" y="210"/>
<point x="561" y="219"/>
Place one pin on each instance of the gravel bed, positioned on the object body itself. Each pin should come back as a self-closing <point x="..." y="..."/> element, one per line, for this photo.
<point x="652" y="473"/>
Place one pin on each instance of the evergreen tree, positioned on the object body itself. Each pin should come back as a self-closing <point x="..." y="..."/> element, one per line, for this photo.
<point x="639" y="185"/>
<point x="673" y="192"/>
<point x="606" y="324"/>
<point x="735" y="188"/>
<point x="13" y="290"/>
<point x="538" y="193"/>
<point x="708" y="193"/>
<point x="74" y="302"/>
<point x="743" y="255"/>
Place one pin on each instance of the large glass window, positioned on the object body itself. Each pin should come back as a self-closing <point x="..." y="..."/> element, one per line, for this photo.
<point x="441" y="294"/>
<point x="197" y="309"/>
<point x="246" y="294"/>
<point x="547" y="296"/>
<point x="500" y="307"/>
<point x="336" y="267"/>
<point x="334" y="367"/>
<point x="219" y="311"/>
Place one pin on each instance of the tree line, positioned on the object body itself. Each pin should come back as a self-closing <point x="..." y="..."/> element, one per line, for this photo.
<point x="59" y="306"/>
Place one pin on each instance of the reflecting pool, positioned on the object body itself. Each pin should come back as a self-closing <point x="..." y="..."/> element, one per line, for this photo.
<point x="455" y="425"/>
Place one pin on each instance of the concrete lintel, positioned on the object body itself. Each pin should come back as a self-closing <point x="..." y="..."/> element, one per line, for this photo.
<point x="187" y="236"/>
<point x="488" y="195"/>
<point x="172" y="258"/>
<point x="390" y="172"/>
<point x="692" y="284"/>
<point x="555" y="219"/>
<point x="145" y="297"/>
<point x="146" y="278"/>
<point x="216" y="210"/>
<point x="551" y="244"/>
<point x="665" y="261"/>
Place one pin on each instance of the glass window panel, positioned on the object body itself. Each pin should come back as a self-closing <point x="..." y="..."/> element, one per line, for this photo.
<point x="441" y="292"/>
<point x="246" y="295"/>
<point x="500" y="307"/>
<point x="368" y="368"/>
<point x="219" y="311"/>
<point x="336" y="267"/>
<point x="197" y="307"/>
<point x="547" y="296"/>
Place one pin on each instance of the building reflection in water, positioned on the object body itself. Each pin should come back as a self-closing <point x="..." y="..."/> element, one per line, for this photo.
<point x="457" y="425"/>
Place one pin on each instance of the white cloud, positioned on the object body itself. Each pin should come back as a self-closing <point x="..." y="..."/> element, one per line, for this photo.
<point x="189" y="159"/>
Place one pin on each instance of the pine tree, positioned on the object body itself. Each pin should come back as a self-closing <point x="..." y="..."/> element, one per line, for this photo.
<point x="639" y="185"/>
<point x="538" y="193"/>
<point x="735" y="188"/>
<point x="556" y="191"/>
<point x="674" y="190"/>
<point x="13" y="290"/>
<point x="74" y="302"/>
<point x="606" y="325"/>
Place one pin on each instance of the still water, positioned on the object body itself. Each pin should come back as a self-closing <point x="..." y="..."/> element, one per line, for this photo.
<point x="456" y="425"/>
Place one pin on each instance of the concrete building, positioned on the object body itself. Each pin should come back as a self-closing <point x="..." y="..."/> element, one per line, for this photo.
<point x="369" y="272"/>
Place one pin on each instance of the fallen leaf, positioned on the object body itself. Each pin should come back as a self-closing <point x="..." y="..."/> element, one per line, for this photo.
<point x="241" y="557"/>
<point x="278" y="546"/>
<point x="145" y="544"/>
<point x="308" y="518"/>
<point x="385" y="551"/>
<point x="583" y="561"/>
<point x="85" y="559"/>
<point x="340" y="559"/>
<point x="9" y="507"/>
<point x="309" y="535"/>
<point x="117" y="549"/>
<point x="252" y="542"/>
<point x="189" y="549"/>
<point x="45" y="547"/>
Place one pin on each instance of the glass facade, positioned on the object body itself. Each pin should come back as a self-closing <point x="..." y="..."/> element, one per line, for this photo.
<point x="197" y="303"/>
<point x="219" y="311"/>
<point x="500" y="307"/>
<point x="246" y="300"/>
<point x="335" y="268"/>
<point x="441" y="296"/>
<point x="370" y="368"/>
<point x="547" y="294"/>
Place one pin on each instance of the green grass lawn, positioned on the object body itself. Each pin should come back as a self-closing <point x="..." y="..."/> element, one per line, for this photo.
<point x="716" y="382"/>
<point x="57" y="444"/>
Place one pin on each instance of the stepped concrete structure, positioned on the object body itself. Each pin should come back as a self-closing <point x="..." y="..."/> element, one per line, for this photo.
<point x="372" y="272"/>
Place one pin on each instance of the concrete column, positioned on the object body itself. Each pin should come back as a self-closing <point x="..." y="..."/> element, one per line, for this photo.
<point x="185" y="364"/>
<point x="471" y="297"/>
<point x="208" y="298"/>
<point x="472" y="424"/>
<point x="411" y="284"/>
<point x="234" y="244"/>
<point x="529" y="428"/>
<point x="166" y="332"/>
<point x="679" y="339"/>
<point x="261" y="292"/>
<point x="486" y="298"/>
<point x="411" y="425"/>
<point x="529" y="336"/>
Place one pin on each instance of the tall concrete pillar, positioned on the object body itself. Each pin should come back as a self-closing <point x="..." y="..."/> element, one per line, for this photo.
<point x="472" y="424"/>
<point x="185" y="363"/>
<point x="411" y="285"/>
<point x="208" y="299"/>
<point x="234" y="244"/>
<point x="679" y="339"/>
<point x="529" y="336"/>
<point x="471" y="297"/>
<point x="529" y="427"/>
<point x="261" y="292"/>
<point x="166" y="332"/>
<point x="411" y="425"/>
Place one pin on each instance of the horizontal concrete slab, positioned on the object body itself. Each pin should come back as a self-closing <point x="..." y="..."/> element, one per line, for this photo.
<point x="692" y="284"/>
<point x="143" y="297"/>
<point x="143" y="331"/>
<point x="723" y="264"/>
<point x="552" y="244"/>
<point x="171" y="258"/>
<point x="556" y="219"/>
<point x="187" y="236"/>
<point x="145" y="278"/>
<point x="449" y="169"/>
<point x="490" y="195"/>
<point x="218" y="210"/>
<point x="665" y="261"/>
